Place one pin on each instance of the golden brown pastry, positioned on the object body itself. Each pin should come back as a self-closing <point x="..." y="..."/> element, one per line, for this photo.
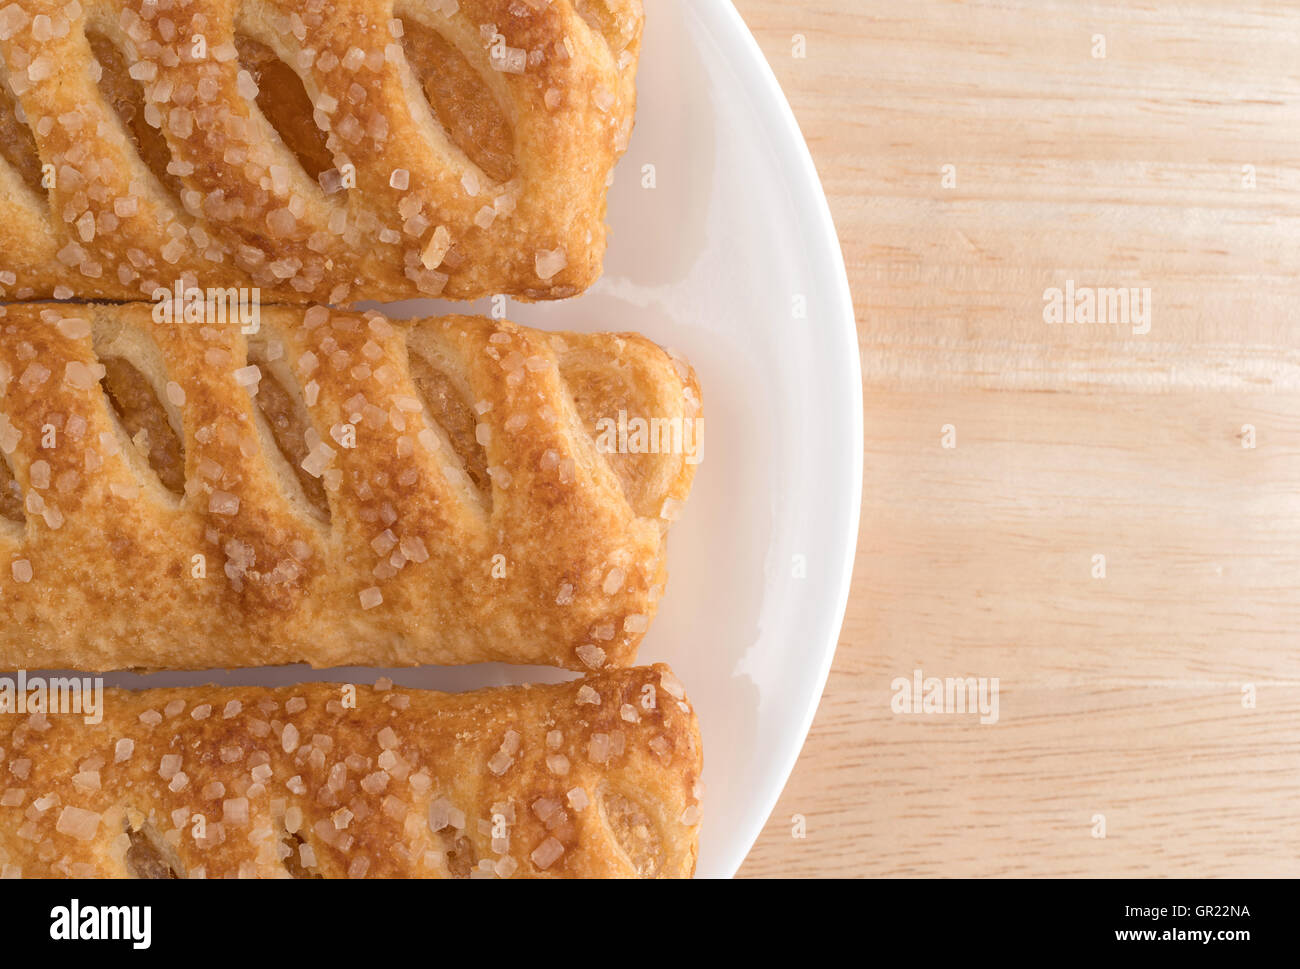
<point x="321" y="150"/>
<point x="594" y="778"/>
<point x="334" y="489"/>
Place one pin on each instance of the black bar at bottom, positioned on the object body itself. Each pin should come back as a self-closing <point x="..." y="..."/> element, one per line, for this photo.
<point x="331" y="919"/>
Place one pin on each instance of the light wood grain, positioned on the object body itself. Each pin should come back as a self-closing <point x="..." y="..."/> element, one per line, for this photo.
<point x="1119" y="696"/>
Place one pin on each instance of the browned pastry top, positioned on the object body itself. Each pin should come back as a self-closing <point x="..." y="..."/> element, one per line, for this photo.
<point x="590" y="778"/>
<point x="321" y="150"/>
<point x="335" y="489"/>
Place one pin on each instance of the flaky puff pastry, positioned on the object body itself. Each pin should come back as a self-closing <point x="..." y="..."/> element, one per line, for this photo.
<point x="322" y="150"/>
<point x="335" y="489"/>
<point x="594" y="778"/>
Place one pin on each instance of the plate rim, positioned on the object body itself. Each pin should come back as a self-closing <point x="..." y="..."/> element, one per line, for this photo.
<point x="737" y="41"/>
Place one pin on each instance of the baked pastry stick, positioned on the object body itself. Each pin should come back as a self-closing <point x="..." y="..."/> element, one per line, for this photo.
<point x="321" y="150"/>
<point x="594" y="778"/>
<point x="335" y="489"/>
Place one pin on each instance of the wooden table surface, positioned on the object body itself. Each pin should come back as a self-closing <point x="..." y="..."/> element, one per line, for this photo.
<point x="1157" y="705"/>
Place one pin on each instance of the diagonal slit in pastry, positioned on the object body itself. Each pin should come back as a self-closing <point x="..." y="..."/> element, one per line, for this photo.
<point x="628" y="396"/>
<point x="147" y="857"/>
<point x="447" y="403"/>
<point x="634" y="832"/>
<point x="146" y="422"/>
<point x="280" y="403"/>
<point x="11" y="492"/>
<point x="17" y="146"/>
<point x="459" y="853"/>
<point x="283" y="101"/>
<point x="462" y="102"/>
<point x="126" y="98"/>
<point x="295" y="861"/>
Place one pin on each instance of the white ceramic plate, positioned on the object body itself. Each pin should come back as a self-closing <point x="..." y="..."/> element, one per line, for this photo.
<point x="712" y="262"/>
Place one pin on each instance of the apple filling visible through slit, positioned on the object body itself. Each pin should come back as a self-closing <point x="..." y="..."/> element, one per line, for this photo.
<point x="127" y="99"/>
<point x="461" y="102"/>
<point x="17" y="146"/>
<point x="145" y="421"/>
<point x="449" y="410"/>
